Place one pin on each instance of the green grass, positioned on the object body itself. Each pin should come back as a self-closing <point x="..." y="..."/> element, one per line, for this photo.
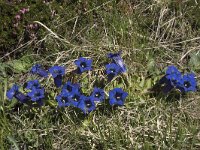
<point x="151" y="34"/>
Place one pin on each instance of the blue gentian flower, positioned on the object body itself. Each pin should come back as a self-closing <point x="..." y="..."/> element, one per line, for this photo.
<point x="86" y="104"/>
<point x="63" y="100"/>
<point x="174" y="79"/>
<point x="188" y="83"/>
<point x="98" y="94"/>
<point x="14" y="92"/>
<point x="118" y="60"/>
<point x="36" y="94"/>
<point x="171" y="79"/>
<point x="70" y="88"/>
<point x="117" y="96"/>
<point x="75" y="98"/>
<point x="33" y="84"/>
<point x="57" y="72"/>
<point x="21" y="97"/>
<point x="37" y="69"/>
<point x="112" y="70"/>
<point x="83" y="65"/>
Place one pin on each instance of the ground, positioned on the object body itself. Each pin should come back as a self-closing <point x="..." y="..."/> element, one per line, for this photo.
<point x="151" y="35"/>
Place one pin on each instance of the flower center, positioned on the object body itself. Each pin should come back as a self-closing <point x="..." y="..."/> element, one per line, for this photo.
<point x="35" y="84"/>
<point x="187" y="84"/>
<point x="118" y="96"/>
<point x="83" y="65"/>
<point x="76" y="98"/>
<point x="37" y="94"/>
<point x="64" y="100"/>
<point x="69" y="88"/>
<point x="88" y="103"/>
<point x="112" y="70"/>
<point x="97" y="94"/>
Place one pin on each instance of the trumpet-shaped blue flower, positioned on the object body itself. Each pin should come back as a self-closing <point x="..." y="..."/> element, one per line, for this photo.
<point x="57" y="72"/>
<point x="188" y="83"/>
<point x="116" y="57"/>
<point x="33" y="84"/>
<point x="75" y="98"/>
<point x="112" y="70"/>
<point x="14" y="92"/>
<point x="63" y="100"/>
<point x="86" y="104"/>
<point x="98" y="94"/>
<point x="37" y="69"/>
<point x="70" y="88"/>
<point x="36" y="94"/>
<point x="171" y="79"/>
<point x="21" y="97"/>
<point x="83" y="65"/>
<point x="117" y="96"/>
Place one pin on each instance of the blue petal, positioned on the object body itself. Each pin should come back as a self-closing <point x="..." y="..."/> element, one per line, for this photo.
<point x="112" y="101"/>
<point x="69" y="87"/>
<point x="21" y="97"/>
<point x="59" y="100"/>
<point x="11" y="93"/>
<point x="63" y="100"/>
<point x="82" y="104"/>
<point x="188" y="83"/>
<point x="35" y="68"/>
<point x="112" y="70"/>
<point x="33" y="84"/>
<point x="118" y="60"/>
<point x="57" y="71"/>
<point x="36" y="94"/>
<point x="100" y="93"/>
<point x="120" y="103"/>
<point x="58" y="81"/>
<point x="43" y="73"/>
<point x="83" y="65"/>
<point x="75" y="98"/>
<point x="172" y="70"/>
<point x="112" y="96"/>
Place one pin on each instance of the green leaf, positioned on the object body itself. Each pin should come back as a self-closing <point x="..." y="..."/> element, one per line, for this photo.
<point x="195" y="61"/>
<point x="21" y="65"/>
<point x="13" y="141"/>
<point x="142" y="83"/>
<point x="148" y="83"/>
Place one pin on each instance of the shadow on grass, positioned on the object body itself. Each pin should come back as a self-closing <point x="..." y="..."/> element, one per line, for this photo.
<point x="173" y="95"/>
